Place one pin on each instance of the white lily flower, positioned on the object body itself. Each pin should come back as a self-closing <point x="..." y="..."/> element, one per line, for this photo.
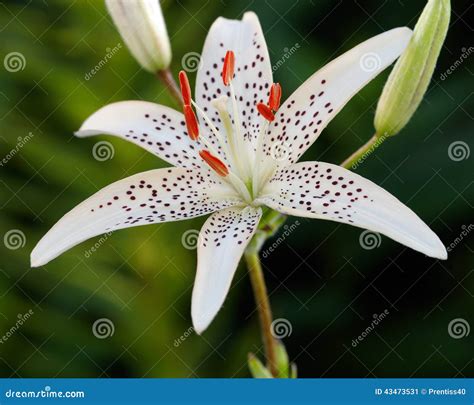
<point x="226" y="162"/>
<point x="142" y="27"/>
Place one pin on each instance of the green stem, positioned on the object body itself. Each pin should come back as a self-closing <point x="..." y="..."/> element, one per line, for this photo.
<point x="268" y="228"/>
<point x="264" y="310"/>
<point x="167" y="79"/>
<point x="354" y="158"/>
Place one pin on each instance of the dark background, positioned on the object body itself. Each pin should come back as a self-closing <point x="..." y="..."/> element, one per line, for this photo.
<point x="321" y="279"/>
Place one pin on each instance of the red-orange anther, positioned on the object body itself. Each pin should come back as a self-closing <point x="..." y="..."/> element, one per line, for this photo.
<point x="191" y="122"/>
<point x="275" y="96"/>
<point x="185" y="87"/>
<point x="228" y="69"/>
<point x="214" y="162"/>
<point x="265" y="111"/>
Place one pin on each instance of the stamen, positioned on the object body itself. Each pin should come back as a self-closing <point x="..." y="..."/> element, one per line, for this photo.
<point x="191" y="122"/>
<point x="185" y="87"/>
<point x="275" y="96"/>
<point x="214" y="163"/>
<point x="228" y="69"/>
<point x="265" y="111"/>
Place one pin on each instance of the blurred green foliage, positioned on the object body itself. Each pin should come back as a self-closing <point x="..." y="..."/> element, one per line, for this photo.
<point x="141" y="278"/>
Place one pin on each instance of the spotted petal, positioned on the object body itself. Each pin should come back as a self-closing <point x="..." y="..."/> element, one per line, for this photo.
<point x="222" y="241"/>
<point x="253" y="73"/>
<point x="326" y="191"/>
<point x="312" y="106"/>
<point x="155" y="196"/>
<point x="156" y="128"/>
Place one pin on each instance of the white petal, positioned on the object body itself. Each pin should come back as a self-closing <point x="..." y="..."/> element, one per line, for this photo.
<point x="156" y="128"/>
<point x="312" y="106"/>
<point x="253" y="73"/>
<point x="326" y="191"/>
<point x="155" y="196"/>
<point x="222" y="241"/>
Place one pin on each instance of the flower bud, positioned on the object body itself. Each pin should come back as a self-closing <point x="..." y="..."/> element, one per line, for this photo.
<point x="257" y="369"/>
<point x="412" y="73"/>
<point x="143" y="29"/>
